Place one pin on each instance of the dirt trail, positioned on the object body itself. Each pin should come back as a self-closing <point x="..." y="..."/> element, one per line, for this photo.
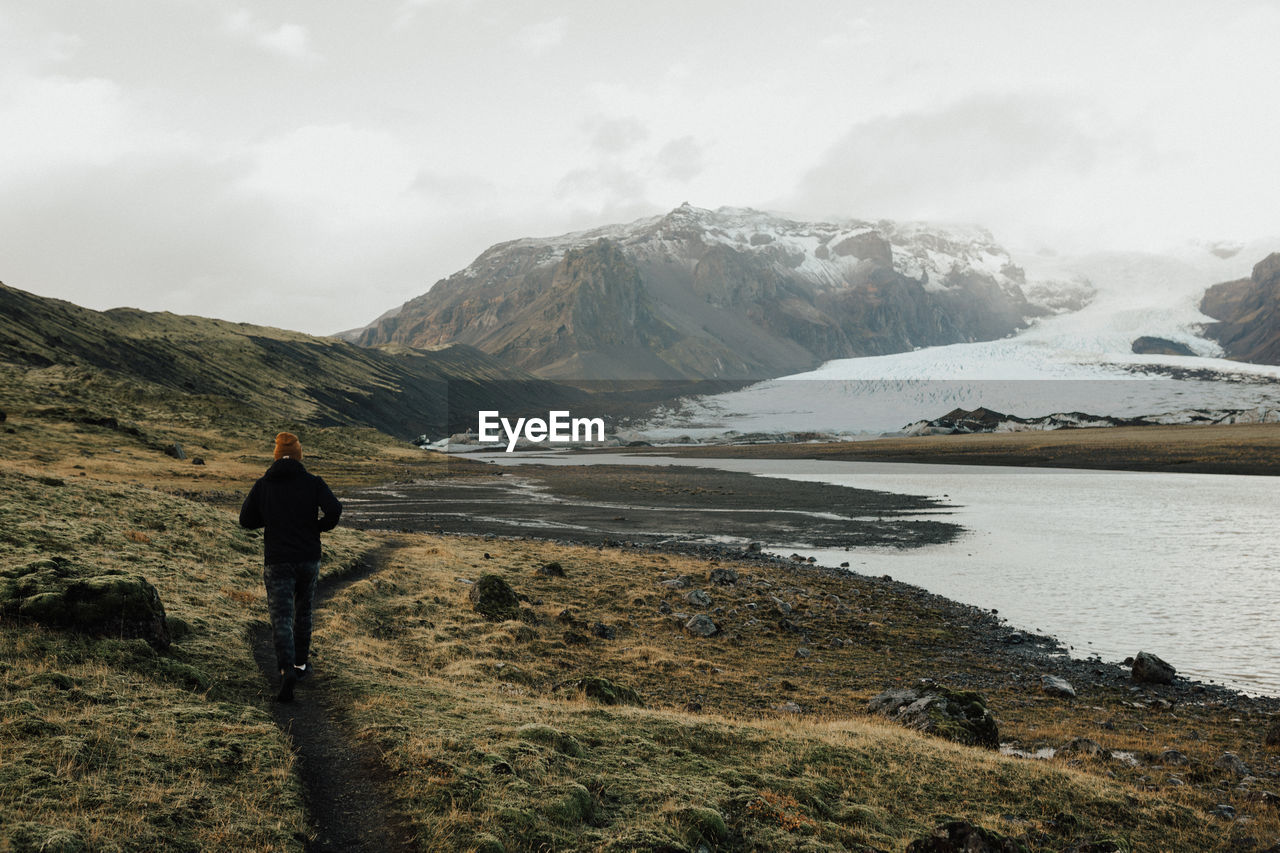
<point x="344" y="783"/>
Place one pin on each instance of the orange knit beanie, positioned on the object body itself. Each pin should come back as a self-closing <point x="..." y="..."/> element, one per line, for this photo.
<point x="287" y="445"/>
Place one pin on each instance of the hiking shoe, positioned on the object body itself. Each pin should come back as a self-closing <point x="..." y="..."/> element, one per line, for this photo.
<point x="303" y="670"/>
<point x="287" y="682"/>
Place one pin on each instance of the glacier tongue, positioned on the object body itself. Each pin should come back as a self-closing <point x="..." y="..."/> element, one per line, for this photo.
<point x="1080" y="361"/>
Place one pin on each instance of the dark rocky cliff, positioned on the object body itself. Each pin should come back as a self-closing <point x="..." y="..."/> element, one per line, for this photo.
<point x="1249" y="314"/>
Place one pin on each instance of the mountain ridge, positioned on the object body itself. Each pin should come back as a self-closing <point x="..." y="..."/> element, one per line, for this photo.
<point x="733" y="293"/>
<point x="268" y="374"/>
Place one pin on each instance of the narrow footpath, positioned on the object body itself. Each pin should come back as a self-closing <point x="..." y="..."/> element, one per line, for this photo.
<point x="344" y="782"/>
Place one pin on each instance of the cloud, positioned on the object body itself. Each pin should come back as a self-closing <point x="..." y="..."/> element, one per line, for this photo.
<point x="541" y="37"/>
<point x="681" y="159"/>
<point x="73" y="122"/>
<point x="343" y="175"/>
<point x="984" y="157"/>
<point x="292" y="41"/>
<point x="614" y="136"/>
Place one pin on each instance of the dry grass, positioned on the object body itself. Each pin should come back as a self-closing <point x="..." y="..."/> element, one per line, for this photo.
<point x="485" y="744"/>
<point x="1219" y="448"/>
<point x="106" y="745"/>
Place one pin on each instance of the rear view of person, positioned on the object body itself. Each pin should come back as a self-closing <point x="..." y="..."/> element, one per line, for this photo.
<point x="295" y="507"/>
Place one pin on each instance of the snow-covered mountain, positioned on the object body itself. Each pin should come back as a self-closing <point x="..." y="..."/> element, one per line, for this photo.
<point x="731" y="293"/>
<point x="1080" y="361"/>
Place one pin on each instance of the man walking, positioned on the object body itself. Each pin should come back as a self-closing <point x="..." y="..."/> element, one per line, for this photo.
<point x="286" y="501"/>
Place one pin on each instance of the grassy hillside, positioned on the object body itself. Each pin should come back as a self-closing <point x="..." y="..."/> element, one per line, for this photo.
<point x="488" y="735"/>
<point x="258" y="374"/>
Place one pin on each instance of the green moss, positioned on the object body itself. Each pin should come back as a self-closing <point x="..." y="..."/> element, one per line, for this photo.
<point x="493" y="598"/>
<point x="701" y="825"/>
<point x="32" y="837"/>
<point x="607" y="692"/>
<point x="569" y="804"/>
<point x="552" y="737"/>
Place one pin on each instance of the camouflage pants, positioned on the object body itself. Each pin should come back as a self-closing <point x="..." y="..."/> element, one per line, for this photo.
<point x="290" y="590"/>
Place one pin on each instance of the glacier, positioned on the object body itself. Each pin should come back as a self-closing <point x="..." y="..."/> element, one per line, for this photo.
<point x="1080" y="361"/>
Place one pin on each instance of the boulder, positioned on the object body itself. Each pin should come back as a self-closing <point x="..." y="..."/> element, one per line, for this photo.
<point x="1055" y="686"/>
<point x="1174" y="758"/>
<point x="493" y="598"/>
<point x="1149" y="669"/>
<point x="937" y="710"/>
<point x="59" y="594"/>
<point x="1084" y="746"/>
<point x="959" y="836"/>
<point x="603" y="631"/>
<point x="701" y="626"/>
<point x="1232" y="763"/>
<point x="551" y="570"/>
<point x="723" y="577"/>
<point x="175" y="450"/>
<point x="698" y="598"/>
<point x="679" y="582"/>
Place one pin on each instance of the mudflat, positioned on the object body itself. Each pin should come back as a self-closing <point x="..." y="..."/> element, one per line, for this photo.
<point x="600" y="504"/>
<point x="1213" y="449"/>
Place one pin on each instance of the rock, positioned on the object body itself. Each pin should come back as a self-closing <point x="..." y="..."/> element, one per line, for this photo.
<point x="960" y="836"/>
<point x="1273" y="733"/>
<point x="781" y="606"/>
<point x="604" y="632"/>
<point x="845" y="564"/>
<point x="1149" y="669"/>
<point x="58" y="594"/>
<point x="197" y="460"/>
<point x="565" y="616"/>
<point x="934" y="709"/>
<point x="1231" y="763"/>
<point x="1173" y="758"/>
<point x="723" y="577"/>
<point x="1149" y="345"/>
<point x="493" y="598"/>
<point x="1055" y="686"/>
<point x="3" y="417"/>
<point x="753" y="548"/>
<point x="698" y="598"/>
<point x="175" y="450"/>
<point x="701" y="626"/>
<point x="1266" y="798"/>
<point x="1014" y="638"/>
<point x="573" y="638"/>
<point x="803" y="652"/>
<point x="679" y="582"/>
<point x="605" y="691"/>
<point x="1223" y="810"/>
<point x="1084" y="746"/>
<point x="790" y="708"/>
<point x="551" y="570"/>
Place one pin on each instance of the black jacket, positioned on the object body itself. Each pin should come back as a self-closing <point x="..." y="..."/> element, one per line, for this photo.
<point x="285" y="501"/>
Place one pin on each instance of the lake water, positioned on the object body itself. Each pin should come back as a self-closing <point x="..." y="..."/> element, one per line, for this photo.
<point x="1110" y="562"/>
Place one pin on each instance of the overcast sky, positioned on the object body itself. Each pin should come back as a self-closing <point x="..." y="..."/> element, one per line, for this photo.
<point x="310" y="165"/>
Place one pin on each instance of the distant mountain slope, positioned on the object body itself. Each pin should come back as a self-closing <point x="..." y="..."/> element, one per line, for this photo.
<point x="733" y="294"/>
<point x="281" y="374"/>
<point x="1249" y="314"/>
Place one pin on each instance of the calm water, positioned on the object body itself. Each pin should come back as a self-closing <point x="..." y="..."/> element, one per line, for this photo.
<point x="1110" y="562"/>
